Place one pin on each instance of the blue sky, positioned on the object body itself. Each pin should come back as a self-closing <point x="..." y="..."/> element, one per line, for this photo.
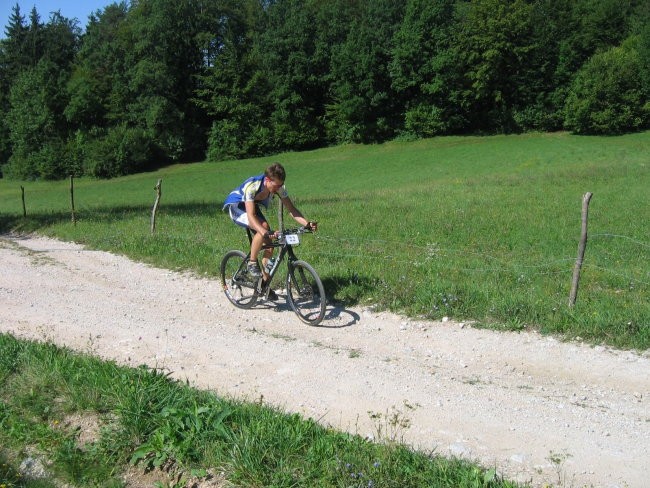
<point x="80" y="9"/>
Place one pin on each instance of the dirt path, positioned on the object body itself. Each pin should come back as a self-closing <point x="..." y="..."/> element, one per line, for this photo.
<point x="538" y="409"/>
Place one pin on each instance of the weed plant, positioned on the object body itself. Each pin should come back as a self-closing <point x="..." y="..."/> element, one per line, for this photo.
<point x="473" y="228"/>
<point x="150" y="421"/>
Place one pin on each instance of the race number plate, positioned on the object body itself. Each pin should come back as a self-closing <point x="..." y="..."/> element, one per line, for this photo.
<point x="293" y="239"/>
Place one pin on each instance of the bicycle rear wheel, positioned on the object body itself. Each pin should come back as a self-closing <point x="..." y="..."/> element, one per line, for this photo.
<point x="238" y="285"/>
<point x="305" y="293"/>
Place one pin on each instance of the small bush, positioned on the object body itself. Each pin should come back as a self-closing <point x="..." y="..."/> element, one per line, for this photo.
<point x="426" y="120"/>
<point x="225" y="141"/>
<point x="537" y="118"/>
<point x="608" y="95"/>
<point x="123" y="150"/>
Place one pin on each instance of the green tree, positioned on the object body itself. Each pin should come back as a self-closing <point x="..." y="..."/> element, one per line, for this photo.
<point x="540" y="104"/>
<point x="98" y="87"/>
<point x="600" y="24"/>
<point x="34" y="43"/>
<point x="132" y="91"/>
<point x="608" y="95"/>
<point x="162" y="65"/>
<point x="12" y="47"/>
<point x="37" y="98"/>
<point x="37" y="145"/>
<point x="333" y="22"/>
<point x="99" y="98"/>
<point x="642" y="30"/>
<point x="60" y="40"/>
<point x="230" y="88"/>
<point x="12" y="61"/>
<point x="270" y="83"/>
<point x="286" y="51"/>
<point x="422" y="68"/>
<point x="365" y="107"/>
<point x="494" y="44"/>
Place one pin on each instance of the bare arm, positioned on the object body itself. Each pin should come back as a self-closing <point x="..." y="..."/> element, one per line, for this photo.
<point x="294" y="212"/>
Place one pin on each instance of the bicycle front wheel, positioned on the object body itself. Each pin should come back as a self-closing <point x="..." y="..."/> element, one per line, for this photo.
<point x="305" y="293"/>
<point x="238" y="285"/>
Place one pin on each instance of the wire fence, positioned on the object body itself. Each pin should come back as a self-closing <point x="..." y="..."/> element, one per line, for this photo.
<point x="360" y="248"/>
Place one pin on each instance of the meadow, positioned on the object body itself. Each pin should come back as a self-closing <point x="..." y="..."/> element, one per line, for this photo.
<point x="481" y="229"/>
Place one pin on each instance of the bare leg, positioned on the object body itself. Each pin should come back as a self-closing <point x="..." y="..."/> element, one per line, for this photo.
<point x="256" y="246"/>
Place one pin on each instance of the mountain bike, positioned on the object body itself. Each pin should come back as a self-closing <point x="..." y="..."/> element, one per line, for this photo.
<point x="305" y="292"/>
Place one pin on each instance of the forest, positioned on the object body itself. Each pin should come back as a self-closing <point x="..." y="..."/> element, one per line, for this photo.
<point x="147" y="83"/>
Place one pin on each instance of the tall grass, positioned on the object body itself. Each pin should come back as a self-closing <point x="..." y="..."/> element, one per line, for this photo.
<point x="474" y="228"/>
<point x="151" y="421"/>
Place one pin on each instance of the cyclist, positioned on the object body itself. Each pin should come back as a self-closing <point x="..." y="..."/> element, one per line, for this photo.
<point x="243" y="205"/>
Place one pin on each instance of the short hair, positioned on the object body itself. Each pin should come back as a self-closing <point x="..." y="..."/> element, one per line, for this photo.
<point x="276" y="170"/>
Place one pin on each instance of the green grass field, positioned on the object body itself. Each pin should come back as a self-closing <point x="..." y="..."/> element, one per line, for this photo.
<point x="473" y="228"/>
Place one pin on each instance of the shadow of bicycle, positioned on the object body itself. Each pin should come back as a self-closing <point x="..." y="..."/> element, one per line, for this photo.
<point x="336" y="316"/>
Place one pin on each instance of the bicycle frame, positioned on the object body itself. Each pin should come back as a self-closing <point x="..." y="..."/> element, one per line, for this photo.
<point x="285" y="249"/>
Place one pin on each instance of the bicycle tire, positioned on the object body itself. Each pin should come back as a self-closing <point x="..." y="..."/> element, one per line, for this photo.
<point x="240" y="292"/>
<point x="305" y="293"/>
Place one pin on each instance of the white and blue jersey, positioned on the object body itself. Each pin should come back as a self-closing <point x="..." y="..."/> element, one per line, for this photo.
<point x="249" y="189"/>
<point x="247" y="192"/>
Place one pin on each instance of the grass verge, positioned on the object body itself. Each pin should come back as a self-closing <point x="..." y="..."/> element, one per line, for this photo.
<point x="87" y="422"/>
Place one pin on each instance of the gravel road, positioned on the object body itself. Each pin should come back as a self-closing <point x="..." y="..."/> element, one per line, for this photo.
<point x="538" y="409"/>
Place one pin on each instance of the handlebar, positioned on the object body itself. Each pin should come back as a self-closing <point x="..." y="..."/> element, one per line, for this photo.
<point x="298" y="230"/>
<point x="280" y="234"/>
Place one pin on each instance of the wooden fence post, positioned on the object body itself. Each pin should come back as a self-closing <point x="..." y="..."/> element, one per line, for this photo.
<point x="22" y="191"/>
<point x="280" y="215"/>
<point x="74" y="218"/>
<point x="581" y="250"/>
<point x="155" y="205"/>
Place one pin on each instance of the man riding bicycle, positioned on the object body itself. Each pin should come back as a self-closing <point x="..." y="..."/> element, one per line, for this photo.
<point x="243" y="204"/>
